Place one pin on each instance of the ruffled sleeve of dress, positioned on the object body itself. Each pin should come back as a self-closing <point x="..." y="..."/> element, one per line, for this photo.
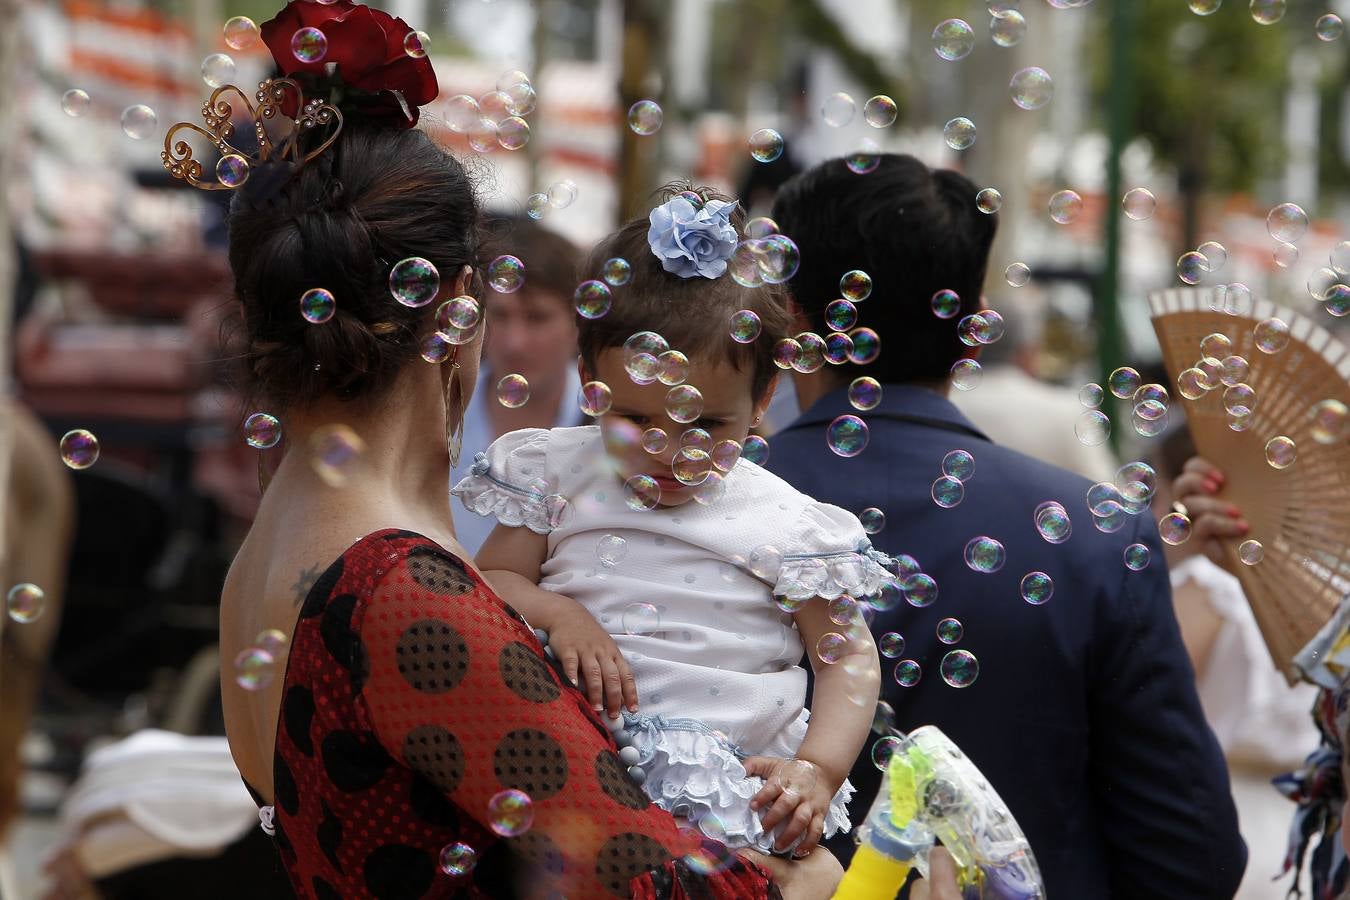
<point x="511" y="481"/>
<point x="827" y="554"/>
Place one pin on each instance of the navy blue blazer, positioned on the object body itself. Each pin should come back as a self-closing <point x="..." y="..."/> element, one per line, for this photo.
<point x="1084" y="715"/>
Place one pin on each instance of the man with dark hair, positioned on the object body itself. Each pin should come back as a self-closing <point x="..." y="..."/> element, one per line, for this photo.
<point x="1084" y="714"/>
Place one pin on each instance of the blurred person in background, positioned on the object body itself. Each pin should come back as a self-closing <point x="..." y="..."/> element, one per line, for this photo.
<point x="39" y="526"/>
<point x="1084" y="715"/>
<point x="1264" y="725"/>
<point x="532" y="333"/>
<point x="1019" y="410"/>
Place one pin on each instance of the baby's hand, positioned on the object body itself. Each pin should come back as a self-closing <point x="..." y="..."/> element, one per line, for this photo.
<point x="584" y="648"/>
<point x="799" y="796"/>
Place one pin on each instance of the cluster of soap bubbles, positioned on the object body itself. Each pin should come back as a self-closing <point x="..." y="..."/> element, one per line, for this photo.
<point x="1330" y="285"/>
<point x="560" y="195"/>
<point x="1128" y="494"/>
<point x="958" y="466"/>
<point x="1219" y="367"/>
<point x="1194" y="265"/>
<point x="772" y="258"/>
<point x="496" y="118"/>
<point x="1052" y="522"/>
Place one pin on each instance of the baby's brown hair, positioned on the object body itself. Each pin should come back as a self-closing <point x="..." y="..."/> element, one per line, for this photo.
<point x="692" y="314"/>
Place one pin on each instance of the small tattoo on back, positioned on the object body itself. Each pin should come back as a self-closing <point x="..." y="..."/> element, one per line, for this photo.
<point x="304" y="583"/>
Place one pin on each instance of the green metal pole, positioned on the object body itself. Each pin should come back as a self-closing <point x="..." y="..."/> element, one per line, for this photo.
<point x="1110" y="337"/>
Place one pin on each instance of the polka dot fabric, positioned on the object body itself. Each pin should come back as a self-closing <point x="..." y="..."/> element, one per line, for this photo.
<point x="414" y="695"/>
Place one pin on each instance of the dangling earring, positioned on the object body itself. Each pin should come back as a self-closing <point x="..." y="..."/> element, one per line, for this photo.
<point x="454" y="411"/>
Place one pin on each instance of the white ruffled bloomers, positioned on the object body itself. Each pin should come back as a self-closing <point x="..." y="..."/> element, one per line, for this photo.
<point x="696" y="774"/>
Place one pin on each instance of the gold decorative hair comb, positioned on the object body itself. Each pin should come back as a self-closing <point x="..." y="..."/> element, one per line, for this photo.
<point x="235" y="166"/>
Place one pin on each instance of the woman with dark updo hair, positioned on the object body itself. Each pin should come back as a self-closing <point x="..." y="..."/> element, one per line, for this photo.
<point x="400" y="727"/>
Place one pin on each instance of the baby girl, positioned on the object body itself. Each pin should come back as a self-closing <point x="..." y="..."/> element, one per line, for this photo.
<point x="673" y="567"/>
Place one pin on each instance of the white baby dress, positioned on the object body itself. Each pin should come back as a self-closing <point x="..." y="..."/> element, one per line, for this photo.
<point x="715" y="658"/>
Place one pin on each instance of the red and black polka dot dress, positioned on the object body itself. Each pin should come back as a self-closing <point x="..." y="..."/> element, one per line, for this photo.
<point x="413" y="695"/>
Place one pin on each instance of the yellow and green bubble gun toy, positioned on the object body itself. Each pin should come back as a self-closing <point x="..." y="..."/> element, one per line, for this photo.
<point x="931" y="791"/>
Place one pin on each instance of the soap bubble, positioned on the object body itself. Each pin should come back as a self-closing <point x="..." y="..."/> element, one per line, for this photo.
<point x="217" y="69"/>
<point x="25" y="602"/>
<point x="691" y="466"/>
<point x="241" y="33"/>
<point x="510" y="813"/>
<point x="1287" y="222"/>
<point x="645" y="117"/>
<point x="617" y="271"/>
<point x="262" y="431"/>
<point x="414" y="281"/>
<point x="79" y="448"/>
<point x="1037" y="588"/>
<point x="864" y="393"/>
<point x="513" y="391"/>
<point x="831" y="647"/>
<point x="138" y="121"/>
<point x="335" y="450"/>
<point x="948" y="492"/>
<point x="989" y="200"/>
<point x="1008" y="28"/>
<point x="1271" y="335"/>
<point x="865" y="159"/>
<point x="966" y="374"/>
<point x="920" y="590"/>
<point x="1268" y="12"/>
<point x="880" y="111"/>
<point x="309" y="45"/>
<point x="506" y="274"/>
<point x="960" y="668"/>
<point x="1124" y="382"/>
<point x="1092" y="428"/>
<point x="232" y="170"/>
<point x="592" y="299"/>
<point x="1192" y="384"/>
<point x="1251" y="552"/>
<point x="1091" y="395"/>
<point x="1205" y="7"/>
<point x="959" y="133"/>
<point x="611" y="550"/>
<point x="1031" y="88"/>
<point x="866" y="346"/>
<point x="985" y="555"/>
<point x="907" y="673"/>
<point x="1017" y="274"/>
<point x="595" y="398"/>
<point x="1192" y="266"/>
<point x="838" y="109"/>
<point x="317" y="305"/>
<point x="641" y="492"/>
<point x="75" y="103"/>
<point x="953" y="39"/>
<point x="959" y="464"/>
<point x="945" y="304"/>
<point x="841" y="315"/>
<point x="1139" y="204"/>
<point x="253" y="668"/>
<point x="765" y="562"/>
<point x="513" y="132"/>
<point x="674" y="368"/>
<point x="562" y="194"/>
<point x="1174" y="528"/>
<point x="1136" y="557"/>
<point x="755" y="449"/>
<point x="1329" y="27"/>
<point x="950" y="631"/>
<point x="1281" y="452"/>
<point x="891" y="644"/>
<point x="684" y="403"/>
<point x="766" y="145"/>
<point x="1052" y="522"/>
<point x="1329" y="419"/>
<point x="415" y="44"/>
<point x="461" y="113"/>
<point x="847" y="436"/>
<point x="1065" y="206"/>
<point x="458" y="859"/>
<point x="1285" y="255"/>
<point x="745" y="326"/>
<point x="855" y="285"/>
<point x="883" y="750"/>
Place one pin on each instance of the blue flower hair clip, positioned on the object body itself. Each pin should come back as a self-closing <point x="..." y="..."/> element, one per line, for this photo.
<point x="693" y="240"/>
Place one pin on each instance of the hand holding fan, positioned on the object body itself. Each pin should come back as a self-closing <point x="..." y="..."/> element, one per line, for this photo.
<point x="1266" y="396"/>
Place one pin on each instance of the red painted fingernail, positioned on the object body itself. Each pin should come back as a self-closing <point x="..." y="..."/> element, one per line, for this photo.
<point x="1243" y="528"/>
<point x="1219" y="477"/>
<point x="1211" y="485"/>
<point x="1233" y="512"/>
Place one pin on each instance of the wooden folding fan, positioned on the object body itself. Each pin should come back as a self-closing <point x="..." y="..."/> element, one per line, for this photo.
<point x="1300" y="514"/>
